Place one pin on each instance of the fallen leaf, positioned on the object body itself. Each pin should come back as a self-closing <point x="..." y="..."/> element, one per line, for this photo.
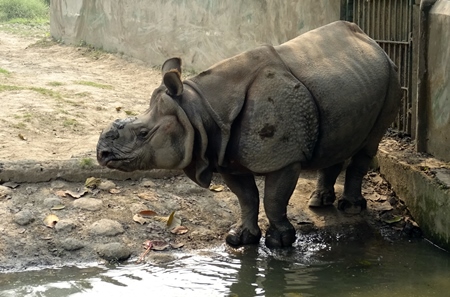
<point x="176" y="245"/>
<point x="159" y="245"/>
<point x="138" y="219"/>
<point x="51" y="220"/>
<point x="392" y="220"/>
<point x="179" y="230"/>
<point x="58" y="207"/>
<point x="22" y="137"/>
<point x="11" y="185"/>
<point x="76" y="195"/>
<point x="114" y="191"/>
<point x="147" y="213"/>
<point x="384" y="206"/>
<point x="118" y="108"/>
<point x="60" y="193"/>
<point x="147" y="196"/>
<point x="217" y="188"/>
<point x="173" y="221"/>
<point x="92" y="182"/>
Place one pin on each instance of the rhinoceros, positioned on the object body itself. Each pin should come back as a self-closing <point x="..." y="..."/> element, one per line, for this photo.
<point x="314" y="102"/>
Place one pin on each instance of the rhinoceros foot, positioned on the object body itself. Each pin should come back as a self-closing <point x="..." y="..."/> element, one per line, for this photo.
<point x="281" y="237"/>
<point x="352" y="206"/>
<point x="322" y="198"/>
<point x="238" y="236"/>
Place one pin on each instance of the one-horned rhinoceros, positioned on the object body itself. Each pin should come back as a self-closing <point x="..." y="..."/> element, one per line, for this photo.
<point x="313" y="102"/>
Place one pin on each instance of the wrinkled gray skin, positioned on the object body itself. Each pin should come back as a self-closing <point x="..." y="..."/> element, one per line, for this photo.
<point x="311" y="103"/>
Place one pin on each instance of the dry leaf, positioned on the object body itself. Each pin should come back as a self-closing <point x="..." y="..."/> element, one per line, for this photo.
<point x="159" y="245"/>
<point x="147" y="196"/>
<point x="11" y="185"/>
<point x="58" y="207"/>
<point x="147" y="213"/>
<point x="176" y="245"/>
<point x="217" y="188"/>
<point x="22" y="137"/>
<point x="76" y="195"/>
<point x="137" y="218"/>
<point x="51" y="220"/>
<point x="118" y="108"/>
<point x="60" y="193"/>
<point x="92" y="182"/>
<point x="114" y="191"/>
<point x="179" y="230"/>
<point x="392" y="220"/>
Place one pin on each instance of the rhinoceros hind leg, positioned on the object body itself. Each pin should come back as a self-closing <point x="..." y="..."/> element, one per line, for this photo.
<point x="279" y="187"/>
<point x="246" y="230"/>
<point x="352" y="200"/>
<point x="324" y="194"/>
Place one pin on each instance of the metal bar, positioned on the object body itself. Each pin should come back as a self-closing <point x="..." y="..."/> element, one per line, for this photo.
<point x="392" y="42"/>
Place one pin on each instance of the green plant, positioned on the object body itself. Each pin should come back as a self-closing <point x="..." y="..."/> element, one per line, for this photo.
<point x="86" y="163"/>
<point x="23" y="9"/>
<point x="4" y="71"/>
<point x="93" y="84"/>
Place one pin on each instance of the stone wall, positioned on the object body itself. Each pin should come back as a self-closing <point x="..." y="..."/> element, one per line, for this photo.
<point x="201" y="32"/>
<point x="438" y="81"/>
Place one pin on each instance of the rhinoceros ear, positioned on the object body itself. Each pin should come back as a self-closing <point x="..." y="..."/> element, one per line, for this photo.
<point x="172" y="81"/>
<point x="172" y="63"/>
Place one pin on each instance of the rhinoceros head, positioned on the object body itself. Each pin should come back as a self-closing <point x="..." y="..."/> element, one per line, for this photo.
<point x="162" y="137"/>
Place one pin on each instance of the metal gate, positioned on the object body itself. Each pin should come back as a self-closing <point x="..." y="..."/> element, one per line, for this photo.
<point x="389" y="23"/>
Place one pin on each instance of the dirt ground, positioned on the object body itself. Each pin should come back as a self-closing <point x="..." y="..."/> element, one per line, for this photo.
<point x="55" y="100"/>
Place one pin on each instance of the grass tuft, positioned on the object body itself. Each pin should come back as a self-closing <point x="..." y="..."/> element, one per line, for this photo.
<point x="23" y="10"/>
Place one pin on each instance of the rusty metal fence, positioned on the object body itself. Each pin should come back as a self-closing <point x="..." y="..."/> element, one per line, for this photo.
<point x="389" y="23"/>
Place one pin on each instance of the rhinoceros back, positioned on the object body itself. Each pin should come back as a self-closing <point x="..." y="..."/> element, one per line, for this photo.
<point x="348" y="74"/>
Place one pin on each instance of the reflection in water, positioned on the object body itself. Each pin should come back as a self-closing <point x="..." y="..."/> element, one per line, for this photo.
<point x="370" y="268"/>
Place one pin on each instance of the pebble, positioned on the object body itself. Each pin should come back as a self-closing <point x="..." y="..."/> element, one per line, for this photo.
<point x="147" y="183"/>
<point x="24" y="217"/>
<point x="5" y="192"/>
<point x="114" y="251"/>
<point x="72" y="244"/>
<point x="106" y="185"/>
<point x="65" y="225"/>
<point x="106" y="227"/>
<point x="88" y="204"/>
<point x="52" y="201"/>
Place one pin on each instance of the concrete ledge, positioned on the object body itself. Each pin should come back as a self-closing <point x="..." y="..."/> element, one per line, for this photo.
<point x="74" y="170"/>
<point x="424" y="187"/>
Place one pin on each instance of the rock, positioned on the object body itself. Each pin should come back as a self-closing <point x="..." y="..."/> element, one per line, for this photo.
<point x="5" y="192"/>
<point x="147" y="183"/>
<point x="24" y="217"/>
<point x="88" y="204"/>
<point x="106" y="185"/>
<point x="58" y="184"/>
<point x="72" y="244"/>
<point x="114" y="251"/>
<point x="65" y="225"/>
<point x="106" y="227"/>
<point x="52" y="201"/>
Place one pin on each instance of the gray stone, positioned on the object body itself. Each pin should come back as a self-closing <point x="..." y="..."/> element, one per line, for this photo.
<point x="52" y="201"/>
<point x="65" y="225"/>
<point x="72" y="244"/>
<point x="58" y="184"/>
<point x="5" y="192"/>
<point x="24" y="217"/>
<point x="106" y="227"/>
<point x="88" y="204"/>
<point x="147" y="183"/>
<point x="106" y="185"/>
<point x="114" y="251"/>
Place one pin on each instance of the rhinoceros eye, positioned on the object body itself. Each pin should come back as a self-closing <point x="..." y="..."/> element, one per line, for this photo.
<point x="143" y="133"/>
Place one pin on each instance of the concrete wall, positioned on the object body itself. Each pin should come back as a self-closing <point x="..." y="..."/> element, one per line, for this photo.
<point x="438" y="97"/>
<point x="201" y="32"/>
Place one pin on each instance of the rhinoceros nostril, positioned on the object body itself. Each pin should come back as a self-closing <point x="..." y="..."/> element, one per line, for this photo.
<point x="104" y="156"/>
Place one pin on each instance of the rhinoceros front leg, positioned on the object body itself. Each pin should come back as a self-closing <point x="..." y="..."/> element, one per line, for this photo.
<point x="279" y="187"/>
<point x="352" y="200"/>
<point x="246" y="230"/>
<point x="324" y="194"/>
